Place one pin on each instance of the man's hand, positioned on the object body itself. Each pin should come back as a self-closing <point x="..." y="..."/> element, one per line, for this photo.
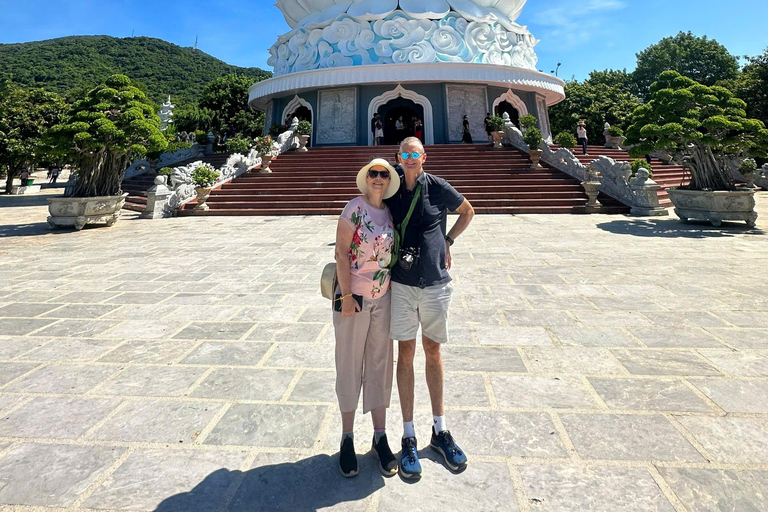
<point x="447" y="255"/>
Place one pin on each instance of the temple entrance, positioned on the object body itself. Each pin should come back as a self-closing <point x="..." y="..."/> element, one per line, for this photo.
<point x="302" y="113"/>
<point x="406" y="112"/>
<point x="507" y="107"/>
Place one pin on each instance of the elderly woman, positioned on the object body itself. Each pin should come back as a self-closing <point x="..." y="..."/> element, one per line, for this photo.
<point x="364" y="353"/>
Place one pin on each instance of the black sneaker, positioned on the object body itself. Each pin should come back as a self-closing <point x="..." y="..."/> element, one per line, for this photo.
<point x="387" y="460"/>
<point x="444" y="444"/>
<point x="347" y="458"/>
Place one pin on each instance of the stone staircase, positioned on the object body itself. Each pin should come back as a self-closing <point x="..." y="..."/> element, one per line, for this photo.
<point x="321" y="181"/>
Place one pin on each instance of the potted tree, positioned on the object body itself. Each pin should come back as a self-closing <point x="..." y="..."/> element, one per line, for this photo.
<point x="102" y="133"/>
<point x="265" y="146"/>
<point x="704" y="129"/>
<point x="748" y="169"/>
<point x="238" y="144"/>
<point x="204" y="177"/>
<point x="565" y="140"/>
<point x="614" y="137"/>
<point x="304" y="131"/>
<point x="496" y="125"/>
<point x="533" y="138"/>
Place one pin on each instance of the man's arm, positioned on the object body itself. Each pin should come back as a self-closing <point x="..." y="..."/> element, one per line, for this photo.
<point x="466" y="212"/>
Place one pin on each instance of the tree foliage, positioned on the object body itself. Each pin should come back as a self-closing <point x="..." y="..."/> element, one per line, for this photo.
<point x="25" y="115"/>
<point x="74" y="65"/>
<point x="752" y="86"/>
<point x="606" y="96"/>
<point x="113" y="124"/>
<point x="699" y="58"/>
<point x="699" y="126"/>
<point x="227" y="99"/>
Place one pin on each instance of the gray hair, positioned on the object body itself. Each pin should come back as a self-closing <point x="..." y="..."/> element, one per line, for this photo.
<point x="412" y="140"/>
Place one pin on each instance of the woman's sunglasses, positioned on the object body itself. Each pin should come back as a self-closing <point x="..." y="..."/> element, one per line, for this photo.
<point x="415" y="155"/>
<point x="375" y="174"/>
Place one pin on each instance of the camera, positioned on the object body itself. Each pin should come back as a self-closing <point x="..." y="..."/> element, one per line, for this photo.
<point x="409" y="256"/>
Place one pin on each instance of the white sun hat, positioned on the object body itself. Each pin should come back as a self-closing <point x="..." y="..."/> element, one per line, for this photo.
<point x="394" y="184"/>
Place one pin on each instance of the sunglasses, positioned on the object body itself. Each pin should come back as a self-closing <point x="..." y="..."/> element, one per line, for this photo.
<point x="415" y="155"/>
<point x="375" y="174"/>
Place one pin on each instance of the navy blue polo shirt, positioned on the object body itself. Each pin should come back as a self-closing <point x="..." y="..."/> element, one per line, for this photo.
<point x="426" y="229"/>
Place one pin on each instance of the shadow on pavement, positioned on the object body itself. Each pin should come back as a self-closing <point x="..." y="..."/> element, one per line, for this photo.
<point x="306" y="485"/>
<point x="673" y="228"/>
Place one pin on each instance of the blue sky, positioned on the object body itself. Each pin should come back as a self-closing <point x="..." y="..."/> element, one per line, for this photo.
<point x="582" y="34"/>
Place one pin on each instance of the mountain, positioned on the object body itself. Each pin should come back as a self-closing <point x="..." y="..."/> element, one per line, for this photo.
<point x="70" y="65"/>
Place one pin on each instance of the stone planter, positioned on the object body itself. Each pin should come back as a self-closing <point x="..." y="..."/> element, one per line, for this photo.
<point x="592" y="188"/>
<point x="614" y="142"/>
<point x="714" y="206"/>
<point x="303" y="141"/>
<point x="265" y="161"/>
<point x="497" y="136"/>
<point x="203" y="193"/>
<point x="79" y="211"/>
<point x="535" y="157"/>
<point x="750" y="179"/>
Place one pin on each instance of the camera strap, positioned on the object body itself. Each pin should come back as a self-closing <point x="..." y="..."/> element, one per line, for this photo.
<point x="400" y="230"/>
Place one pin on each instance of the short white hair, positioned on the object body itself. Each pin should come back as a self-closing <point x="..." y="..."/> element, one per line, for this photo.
<point x="412" y="140"/>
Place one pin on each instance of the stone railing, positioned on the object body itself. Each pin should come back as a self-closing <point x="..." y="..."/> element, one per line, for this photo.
<point x="137" y="168"/>
<point x="639" y="193"/>
<point x="169" y="159"/>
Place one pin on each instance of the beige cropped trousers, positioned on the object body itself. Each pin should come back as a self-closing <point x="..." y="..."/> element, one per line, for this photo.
<point x="364" y="356"/>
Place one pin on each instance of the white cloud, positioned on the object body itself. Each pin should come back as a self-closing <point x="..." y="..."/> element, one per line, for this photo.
<point x="573" y="21"/>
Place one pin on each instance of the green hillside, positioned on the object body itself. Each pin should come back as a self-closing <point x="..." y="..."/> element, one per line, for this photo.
<point x="76" y="63"/>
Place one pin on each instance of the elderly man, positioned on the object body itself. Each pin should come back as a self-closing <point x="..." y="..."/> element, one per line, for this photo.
<point x="421" y="294"/>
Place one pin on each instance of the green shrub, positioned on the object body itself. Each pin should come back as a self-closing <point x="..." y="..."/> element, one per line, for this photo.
<point x="533" y="138"/>
<point x="165" y="171"/>
<point x="276" y="129"/>
<point x="615" y="131"/>
<point x="238" y="145"/>
<point x="205" y="176"/>
<point x="305" y="128"/>
<point x="565" y="140"/>
<point x="201" y="137"/>
<point x="177" y="146"/>
<point x="496" y="124"/>
<point x="528" y="121"/>
<point x="748" y="166"/>
<point x="641" y="164"/>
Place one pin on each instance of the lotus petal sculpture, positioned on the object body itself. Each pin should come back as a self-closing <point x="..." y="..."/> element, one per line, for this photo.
<point x="310" y="12"/>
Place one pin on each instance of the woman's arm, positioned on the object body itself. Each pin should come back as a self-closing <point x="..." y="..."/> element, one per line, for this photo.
<point x="344" y="234"/>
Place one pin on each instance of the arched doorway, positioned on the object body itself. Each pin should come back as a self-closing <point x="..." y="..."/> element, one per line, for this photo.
<point x="507" y="107"/>
<point x="302" y="113"/>
<point x="297" y="107"/>
<point x="399" y="109"/>
<point x="418" y="99"/>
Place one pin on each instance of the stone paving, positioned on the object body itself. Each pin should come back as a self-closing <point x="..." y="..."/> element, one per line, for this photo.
<point x="600" y="363"/>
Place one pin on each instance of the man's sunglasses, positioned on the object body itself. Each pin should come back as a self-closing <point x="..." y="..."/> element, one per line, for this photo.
<point x="415" y="155"/>
<point x="374" y="174"/>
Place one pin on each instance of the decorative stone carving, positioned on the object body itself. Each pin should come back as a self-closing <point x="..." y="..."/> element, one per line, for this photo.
<point x="294" y="104"/>
<point x="157" y="198"/>
<point x="543" y="117"/>
<point x="514" y="100"/>
<point x="268" y="117"/>
<point x="169" y="159"/>
<point x="137" y="168"/>
<point x="337" y="119"/>
<point x="79" y="211"/>
<point x="714" y="206"/>
<point x="166" y="114"/>
<point x="469" y="100"/>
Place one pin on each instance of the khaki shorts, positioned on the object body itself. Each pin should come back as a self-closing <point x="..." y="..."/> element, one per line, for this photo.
<point x="413" y="306"/>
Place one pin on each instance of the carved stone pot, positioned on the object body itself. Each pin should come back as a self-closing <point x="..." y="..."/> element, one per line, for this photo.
<point x="303" y="141"/>
<point x="79" y="211"/>
<point x="203" y="193"/>
<point x="265" y="161"/>
<point x="535" y="157"/>
<point x="592" y="188"/>
<point x="614" y="142"/>
<point x="714" y="206"/>
<point x="750" y="178"/>
<point x="497" y="136"/>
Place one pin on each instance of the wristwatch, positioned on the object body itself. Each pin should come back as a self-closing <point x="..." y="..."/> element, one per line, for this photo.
<point x="449" y="240"/>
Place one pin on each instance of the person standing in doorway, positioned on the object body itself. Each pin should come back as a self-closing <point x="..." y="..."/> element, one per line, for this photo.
<point x="466" y="135"/>
<point x="421" y="293"/>
<point x="487" y="123"/>
<point x="418" y="130"/>
<point x="581" y="135"/>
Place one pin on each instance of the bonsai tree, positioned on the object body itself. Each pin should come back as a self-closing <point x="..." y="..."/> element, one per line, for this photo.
<point x="528" y="121"/>
<point x="615" y="131"/>
<point x="641" y="163"/>
<point x="205" y="176"/>
<point x="496" y="124"/>
<point x="565" y="140"/>
<point x="305" y="128"/>
<point x="114" y="124"/>
<point x="533" y="138"/>
<point x="700" y="127"/>
<point x="238" y="144"/>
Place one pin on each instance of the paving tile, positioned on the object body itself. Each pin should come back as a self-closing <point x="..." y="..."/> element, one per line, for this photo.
<point x="315" y="386"/>
<point x="537" y="392"/>
<point x="77" y="328"/>
<point x="60" y="473"/>
<point x="9" y="401"/>
<point x="81" y="311"/>
<point x="302" y="355"/>
<point x="663" y="362"/>
<point x="227" y="353"/>
<point x="593" y="337"/>
<point x="214" y="331"/>
<point x="63" y="379"/>
<point x="70" y="349"/>
<point x="197" y="298"/>
<point x="514" y="336"/>
<point x="739" y="364"/>
<point x="741" y="339"/>
<point x="253" y="299"/>
<point x="611" y="319"/>
<point x="85" y="297"/>
<point x="713" y="490"/>
<point x="460" y="390"/>
<point x="13" y="347"/>
<point x="190" y="481"/>
<point x="192" y="313"/>
<point x="10" y="371"/>
<point x="264" y="425"/>
<point x="594" y="488"/>
<point x="670" y="337"/>
<point x="33" y="296"/>
<point x="22" y="326"/>
<point x="648" y="395"/>
<point x="245" y="384"/>
<point x="541" y="318"/>
<point x="144" y="329"/>
<point x="480" y="359"/>
<point x="684" y="319"/>
<point x="627" y="437"/>
<point x="750" y="319"/>
<point x="303" y="332"/>
<point x="572" y="360"/>
<point x="280" y="313"/>
<point x="26" y="310"/>
<point x="152" y="381"/>
<point x="158" y="422"/>
<point x="749" y="396"/>
<point x="731" y="440"/>
<point x="55" y="418"/>
<point x="141" y="311"/>
<point x="148" y="352"/>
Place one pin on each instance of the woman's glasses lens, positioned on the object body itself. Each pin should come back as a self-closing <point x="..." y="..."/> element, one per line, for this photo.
<point x="373" y="174"/>
<point x="415" y="155"/>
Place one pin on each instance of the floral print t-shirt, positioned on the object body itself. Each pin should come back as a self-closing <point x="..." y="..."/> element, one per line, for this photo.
<point x="371" y="248"/>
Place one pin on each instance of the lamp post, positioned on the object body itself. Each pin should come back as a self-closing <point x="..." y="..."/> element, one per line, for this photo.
<point x="557" y="68"/>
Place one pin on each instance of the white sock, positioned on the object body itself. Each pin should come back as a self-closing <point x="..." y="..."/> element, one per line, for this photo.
<point x="439" y="424"/>
<point x="378" y="434"/>
<point x="408" y="430"/>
